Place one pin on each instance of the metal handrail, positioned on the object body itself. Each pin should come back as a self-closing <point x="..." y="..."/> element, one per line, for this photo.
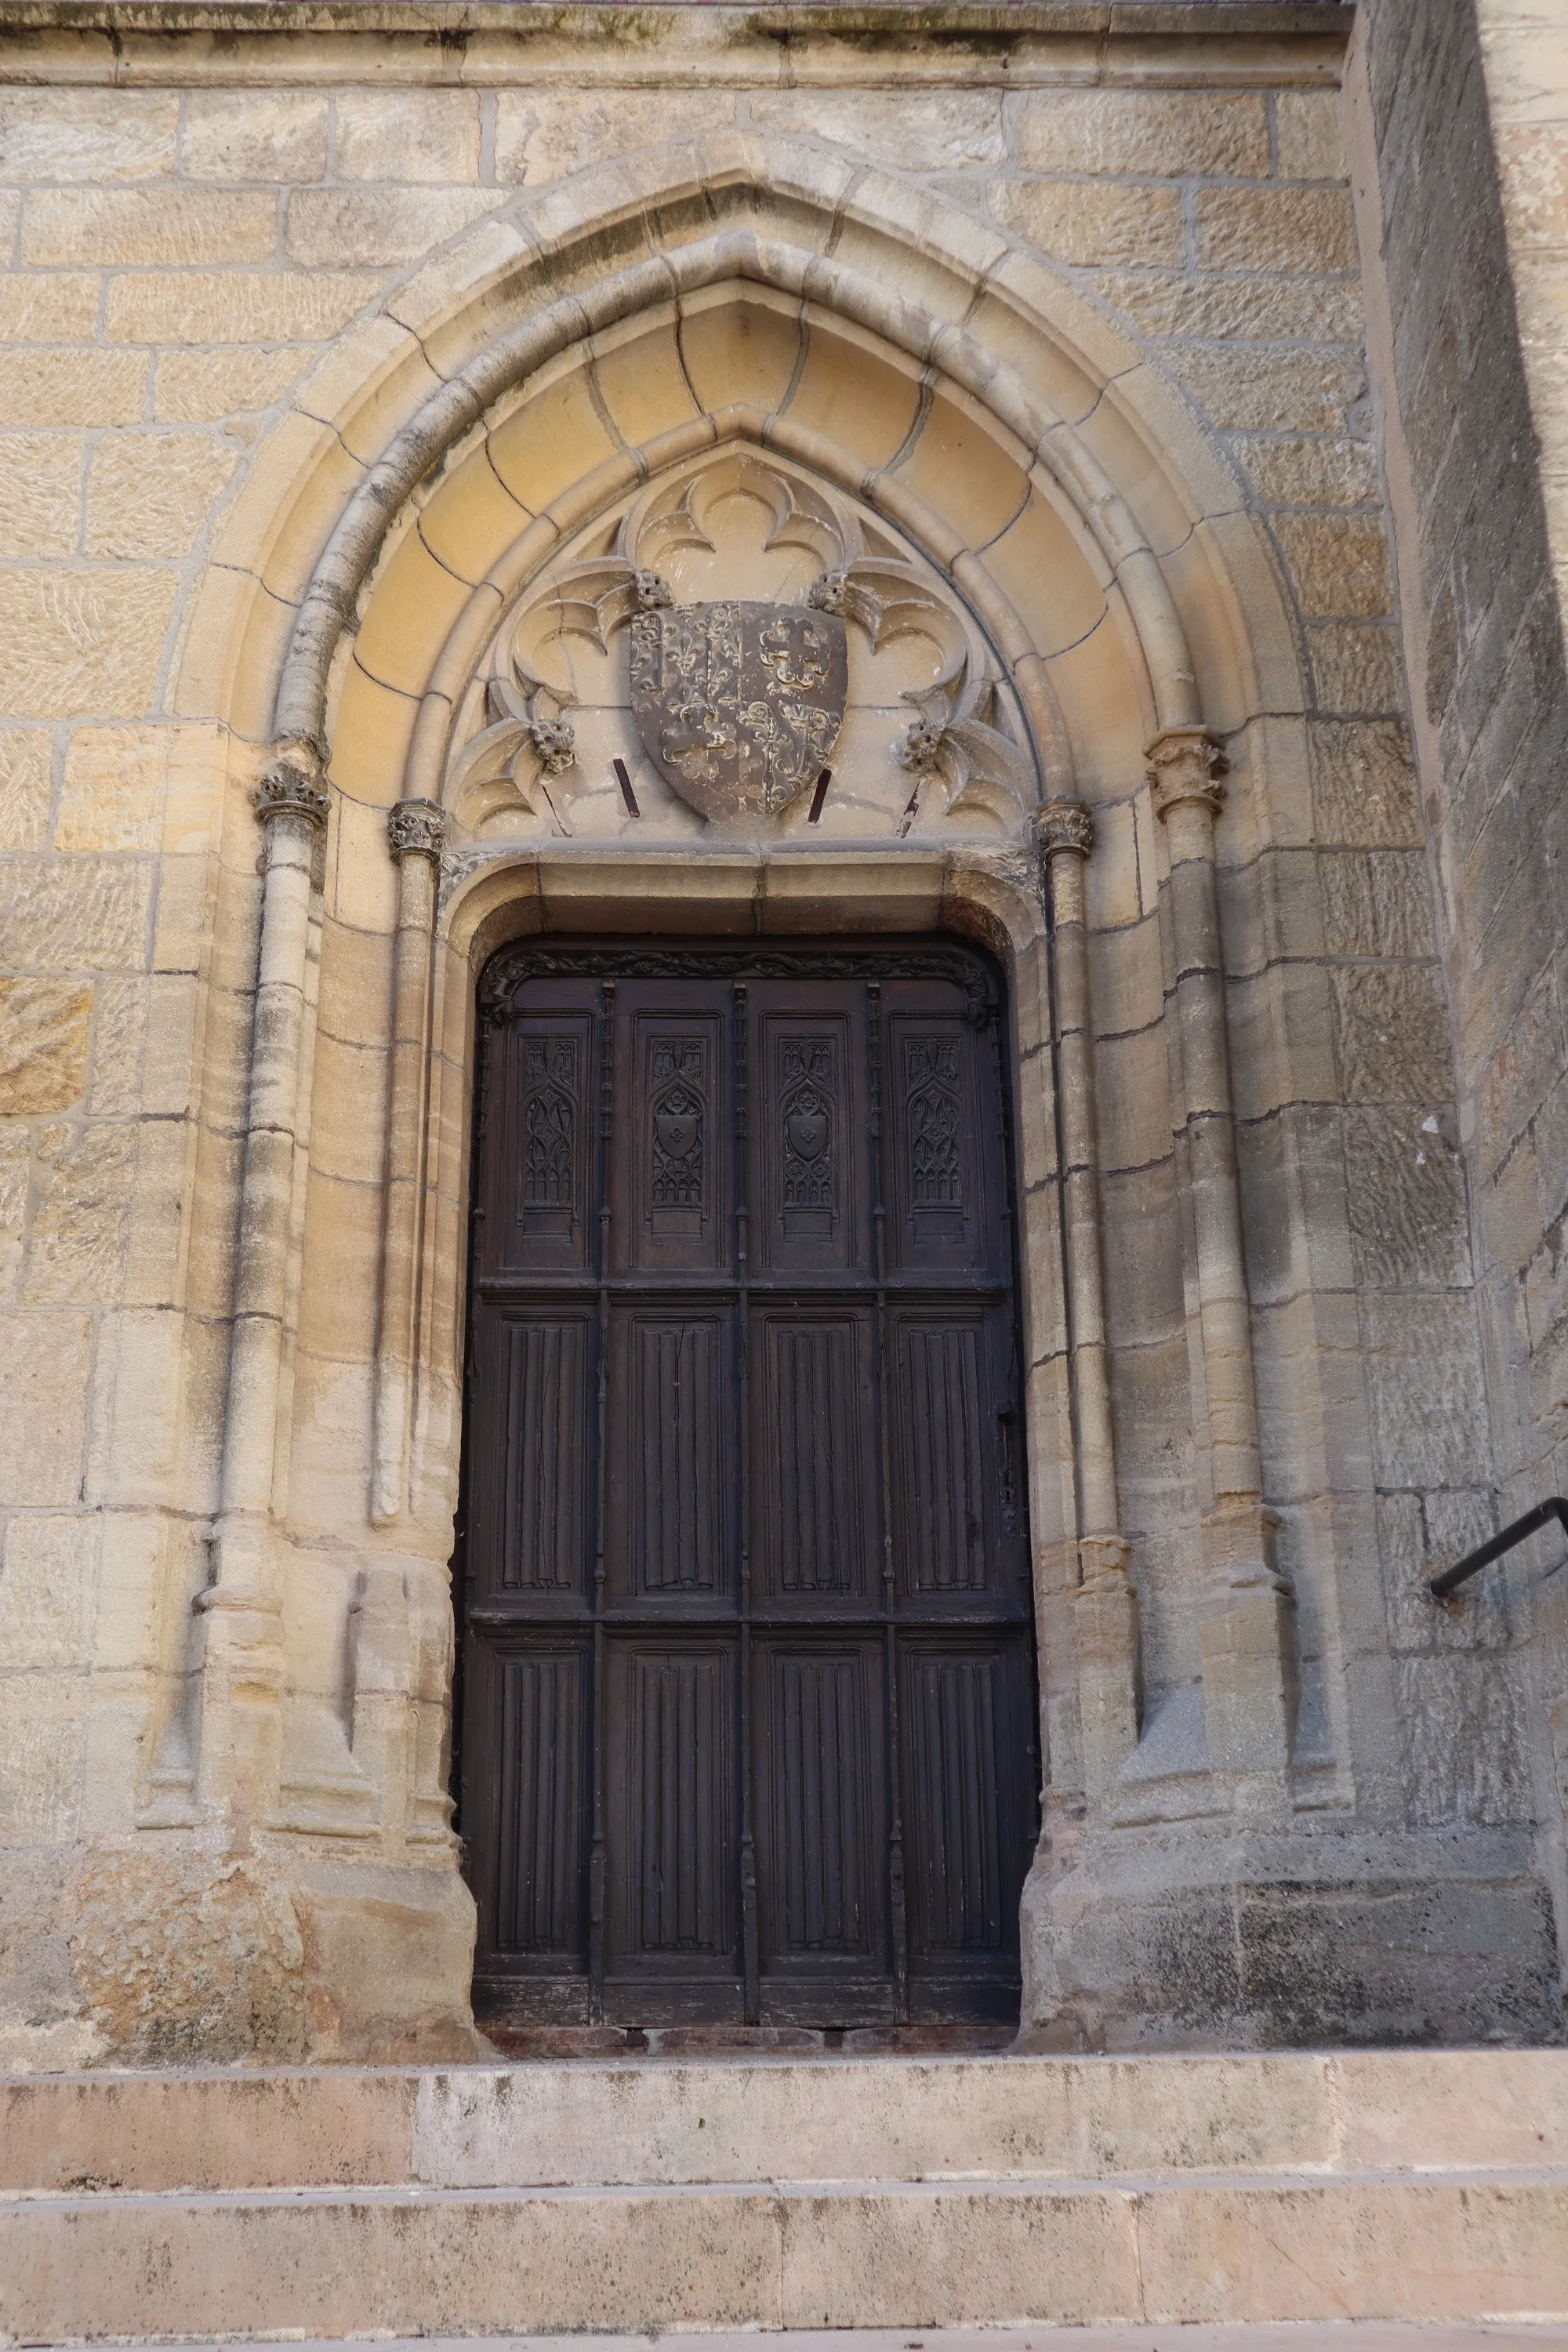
<point x="1555" y="1507"/>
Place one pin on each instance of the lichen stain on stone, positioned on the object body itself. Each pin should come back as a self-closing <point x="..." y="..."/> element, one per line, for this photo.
<point x="188" y="1957"/>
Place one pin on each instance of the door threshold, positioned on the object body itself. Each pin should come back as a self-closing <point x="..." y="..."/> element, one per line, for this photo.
<point x="523" y="2042"/>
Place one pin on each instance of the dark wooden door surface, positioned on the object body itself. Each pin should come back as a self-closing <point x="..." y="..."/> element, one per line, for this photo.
<point x="748" y="1729"/>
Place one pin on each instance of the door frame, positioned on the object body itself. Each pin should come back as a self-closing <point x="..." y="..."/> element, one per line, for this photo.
<point x="995" y="899"/>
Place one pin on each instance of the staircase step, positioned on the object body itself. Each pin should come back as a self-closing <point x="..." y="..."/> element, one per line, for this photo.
<point x="631" y="2122"/>
<point x="842" y="2194"/>
<point x="336" y="2262"/>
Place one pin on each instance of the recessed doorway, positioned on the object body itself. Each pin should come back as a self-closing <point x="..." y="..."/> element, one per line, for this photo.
<point x="748" y="1729"/>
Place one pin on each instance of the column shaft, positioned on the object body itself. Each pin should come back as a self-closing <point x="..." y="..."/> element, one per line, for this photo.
<point x="1246" y="1641"/>
<point x="415" y="830"/>
<point x="239" y="1615"/>
<point x="1106" y="1610"/>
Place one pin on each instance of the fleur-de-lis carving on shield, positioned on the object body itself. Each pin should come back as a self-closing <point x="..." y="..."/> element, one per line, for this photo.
<point x="739" y="705"/>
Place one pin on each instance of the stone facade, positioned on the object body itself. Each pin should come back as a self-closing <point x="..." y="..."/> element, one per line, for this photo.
<point x="345" y="372"/>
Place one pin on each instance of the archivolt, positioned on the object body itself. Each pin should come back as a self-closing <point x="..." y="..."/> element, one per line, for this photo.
<point x="1004" y="329"/>
<point x="973" y="314"/>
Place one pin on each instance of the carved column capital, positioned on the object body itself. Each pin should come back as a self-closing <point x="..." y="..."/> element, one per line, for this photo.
<point x="1066" y="829"/>
<point x="416" y="829"/>
<point x="291" y="784"/>
<point x="1186" y="763"/>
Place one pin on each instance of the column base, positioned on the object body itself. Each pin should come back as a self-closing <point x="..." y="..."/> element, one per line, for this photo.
<point x="1226" y="1938"/>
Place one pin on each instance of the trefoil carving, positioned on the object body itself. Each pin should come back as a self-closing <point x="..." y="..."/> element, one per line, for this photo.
<point x="739" y="704"/>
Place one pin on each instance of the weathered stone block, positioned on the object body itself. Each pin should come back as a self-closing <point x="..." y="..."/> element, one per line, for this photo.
<point x="383" y="1949"/>
<point x="1145" y="134"/>
<point x="234" y="307"/>
<point x="25" y="759"/>
<point x="88" y="135"/>
<point x="40" y="492"/>
<point x="1364" y="784"/>
<point x="1291" y="392"/>
<point x="117" y="1088"/>
<point x="41" y="1722"/>
<point x="407" y="135"/>
<point x="151" y="494"/>
<point x="1339" y="563"/>
<point x="544" y="135"/>
<point x="57" y="306"/>
<point x="1309" y="134"/>
<point x="176" y="1954"/>
<point x="1142" y="1269"/>
<point x="44" y="1367"/>
<point x="1266" y="310"/>
<point x="48" y="1593"/>
<point x="931" y="130"/>
<point x="1550" y="1127"/>
<point x="1532" y="160"/>
<point x="1428" y="1400"/>
<point x="79" y="1230"/>
<point x="255" y="134"/>
<point x="57" y="917"/>
<point x="43" y="1044"/>
<point x="1275" y="228"/>
<point x="143" y="228"/>
<point x="1418" y="1536"/>
<point x="1521" y="1072"/>
<point x="194" y="387"/>
<point x="1377" y="903"/>
<point x="15" y="1169"/>
<point x="1326" y="473"/>
<point x="1462" y="1721"/>
<point x="1357" y="670"/>
<point x="114" y="791"/>
<point x="82" y="641"/>
<point x="1511" y="1224"/>
<point x="1256" y="1941"/>
<point x="1393" y="1035"/>
<point x="1408" y="1210"/>
<point x="1078" y="220"/>
<point x="69" y="387"/>
<point x="351" y="228"/>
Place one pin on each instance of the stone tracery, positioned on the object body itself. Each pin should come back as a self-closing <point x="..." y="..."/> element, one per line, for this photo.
<point x="514" y="730"/>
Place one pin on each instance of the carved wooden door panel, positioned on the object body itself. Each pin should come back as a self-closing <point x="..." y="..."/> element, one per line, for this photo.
<point x="748" y="1686"/>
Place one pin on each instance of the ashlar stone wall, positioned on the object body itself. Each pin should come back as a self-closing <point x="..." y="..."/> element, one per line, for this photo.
<point x="204" y="240"/>
<point x="1459" y="118"/>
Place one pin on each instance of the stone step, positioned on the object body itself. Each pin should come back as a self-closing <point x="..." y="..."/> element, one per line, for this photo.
<point x="1288" y="2335"/>
<point x="885" y="2193"/>
<point x="340" y="2262"/>
<point x="645" y="2124"/>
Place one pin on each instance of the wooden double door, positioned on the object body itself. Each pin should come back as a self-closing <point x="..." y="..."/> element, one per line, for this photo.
<point x="748" y="1714"/>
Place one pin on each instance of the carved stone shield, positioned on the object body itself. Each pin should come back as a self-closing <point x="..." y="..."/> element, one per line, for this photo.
<point x="739" y="705"/>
